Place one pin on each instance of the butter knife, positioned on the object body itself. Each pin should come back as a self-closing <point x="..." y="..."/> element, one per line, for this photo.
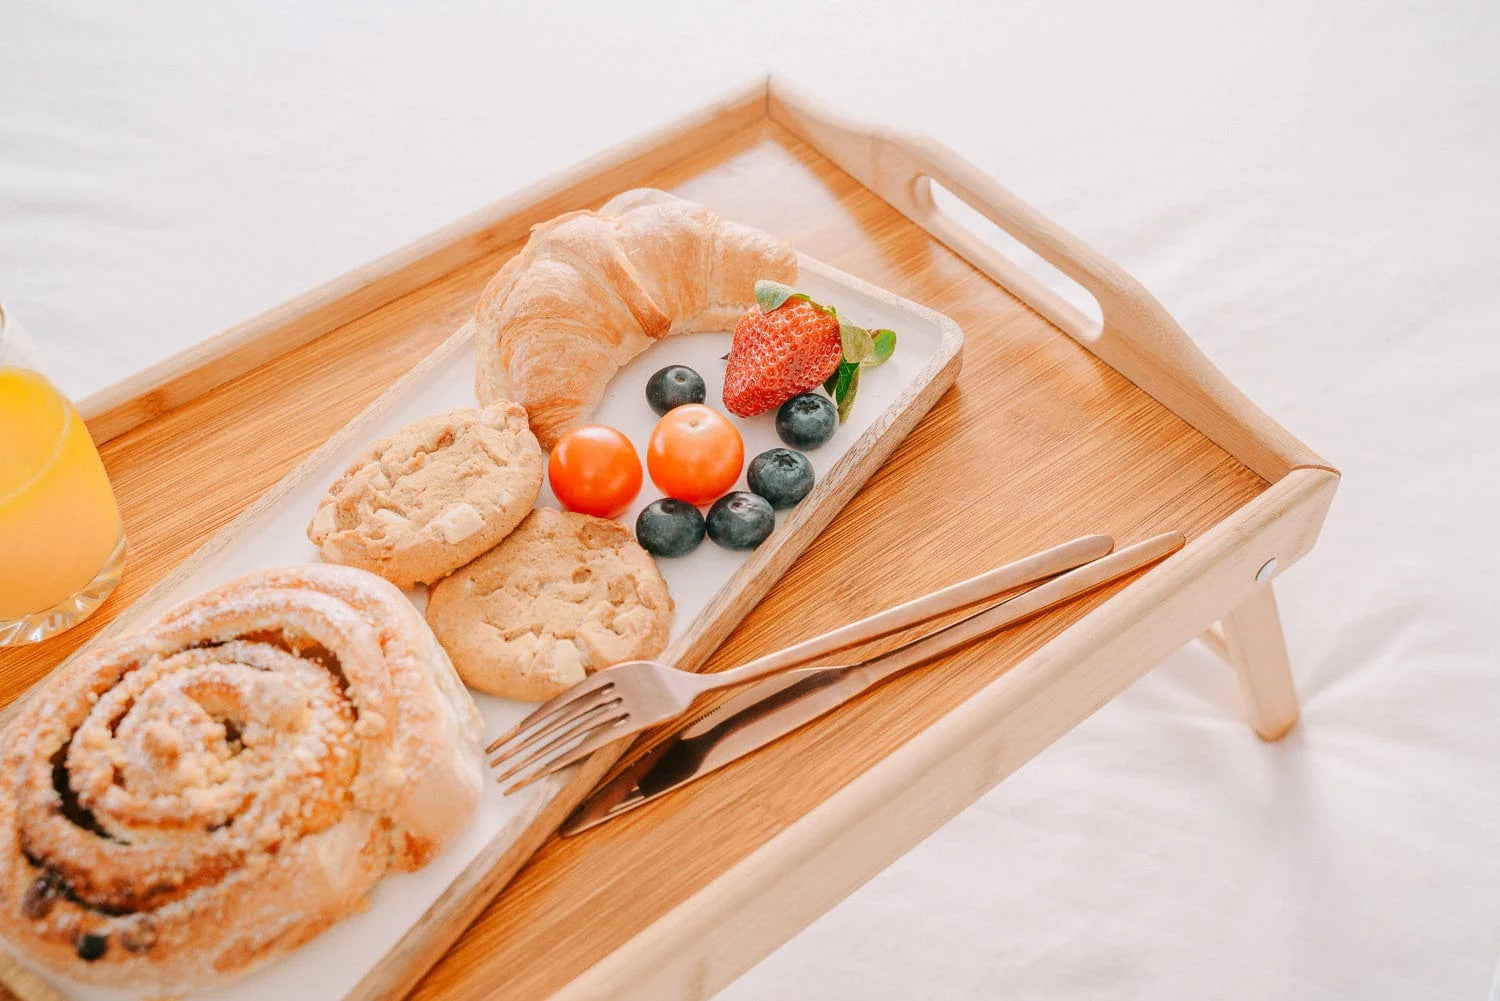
<point x="786" y="702"/>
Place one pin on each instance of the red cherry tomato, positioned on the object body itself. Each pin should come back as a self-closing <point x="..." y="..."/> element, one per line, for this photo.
<point x="594" y="470"/>
<point x="695" y="454"/>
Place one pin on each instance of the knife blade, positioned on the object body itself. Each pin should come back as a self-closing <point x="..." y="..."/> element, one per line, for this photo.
<point x="773" y="708"/>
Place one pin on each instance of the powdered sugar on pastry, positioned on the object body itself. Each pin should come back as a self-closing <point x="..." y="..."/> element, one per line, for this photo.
<point x="564" y="595"/>
<point x="183" y="804"/>
<point x="429" y="498"/>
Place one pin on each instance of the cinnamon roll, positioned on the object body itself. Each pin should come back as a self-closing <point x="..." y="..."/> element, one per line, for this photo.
<point x="183" y="804"/>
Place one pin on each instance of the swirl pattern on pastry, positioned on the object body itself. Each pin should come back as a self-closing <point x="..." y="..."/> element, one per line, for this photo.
<point x="183" y="804"/>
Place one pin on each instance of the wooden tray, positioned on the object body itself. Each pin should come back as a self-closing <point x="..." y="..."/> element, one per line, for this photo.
<point x="1128" y="430"/>
<point x="713" y="588"/>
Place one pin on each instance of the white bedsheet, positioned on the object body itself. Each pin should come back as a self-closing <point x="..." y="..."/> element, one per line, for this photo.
<point x="1312" y="189"/>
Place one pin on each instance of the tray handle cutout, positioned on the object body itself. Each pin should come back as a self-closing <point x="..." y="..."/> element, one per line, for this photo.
<point x="1103" y="305"/>
<point x="1028" y="275"/>
<point x="1132" y="332"/>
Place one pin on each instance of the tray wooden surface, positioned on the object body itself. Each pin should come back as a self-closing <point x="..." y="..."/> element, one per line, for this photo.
<point x="1039" y="440"/>
<point x="414" y="916"/>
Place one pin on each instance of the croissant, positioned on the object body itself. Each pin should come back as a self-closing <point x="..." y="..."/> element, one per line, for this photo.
<point x="591" y="290"/>
<point x="181" y="805"/>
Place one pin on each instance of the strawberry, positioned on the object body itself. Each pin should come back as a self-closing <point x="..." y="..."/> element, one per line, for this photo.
<point x="789" y="348"/>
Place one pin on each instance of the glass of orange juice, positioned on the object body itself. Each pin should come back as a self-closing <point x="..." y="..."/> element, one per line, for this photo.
<point x="61" y="543"/>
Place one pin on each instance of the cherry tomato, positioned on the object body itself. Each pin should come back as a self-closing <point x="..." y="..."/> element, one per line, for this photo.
<point x="594" y="470"/>
<point x="695" y="454"/>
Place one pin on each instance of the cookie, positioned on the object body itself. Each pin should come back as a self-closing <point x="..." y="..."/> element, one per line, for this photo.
<point x="422" y="502"/>
<point x="563" y="596"/>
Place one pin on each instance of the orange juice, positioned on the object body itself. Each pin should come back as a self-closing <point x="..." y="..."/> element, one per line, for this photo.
<point x="60" y="535"/>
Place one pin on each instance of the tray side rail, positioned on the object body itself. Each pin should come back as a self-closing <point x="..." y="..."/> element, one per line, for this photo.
<point x="785" y="884"/>
<point x="1138" y="337"/>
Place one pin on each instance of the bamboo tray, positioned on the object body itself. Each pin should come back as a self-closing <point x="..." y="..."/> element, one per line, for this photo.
<point x="1053" y="429"/>
<point x="712" y="589"/>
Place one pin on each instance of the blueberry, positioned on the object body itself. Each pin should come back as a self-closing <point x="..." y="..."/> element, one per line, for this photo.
<point x="673" y="386"/>
<point x="807" y="420"/>
<point x="740" y="520"/>
<point x="669" y="527"/>
<point x="781" y="476"/>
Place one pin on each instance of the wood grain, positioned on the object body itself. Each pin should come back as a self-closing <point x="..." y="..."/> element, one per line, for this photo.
<point x="1039" y="441"/>
<point x="1137" y="337"/>
<point x="539" y="811"/>
<point x="749" y="908"/>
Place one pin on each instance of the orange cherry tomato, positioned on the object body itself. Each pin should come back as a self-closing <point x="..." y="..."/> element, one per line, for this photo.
<point x="695" y="454"/>
<point x="594" y="470"/>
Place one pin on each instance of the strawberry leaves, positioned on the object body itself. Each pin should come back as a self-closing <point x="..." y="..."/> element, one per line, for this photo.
<point x="842" y="385"/>
<point x="858" y="344"/>
<point x="771" y="295"/>
<point x="862" y="349"/>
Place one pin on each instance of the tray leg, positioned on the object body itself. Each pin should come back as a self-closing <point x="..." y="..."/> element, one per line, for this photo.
<point x="1255" y="648"/>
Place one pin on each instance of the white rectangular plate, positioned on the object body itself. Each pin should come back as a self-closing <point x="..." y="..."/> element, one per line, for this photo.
<point x="705" y="585"/>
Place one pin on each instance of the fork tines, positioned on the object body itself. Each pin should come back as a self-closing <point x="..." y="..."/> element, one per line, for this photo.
<point x="586" y="715"/>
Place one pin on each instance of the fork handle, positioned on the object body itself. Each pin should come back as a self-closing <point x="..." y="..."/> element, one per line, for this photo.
<point x="991" y="584"/>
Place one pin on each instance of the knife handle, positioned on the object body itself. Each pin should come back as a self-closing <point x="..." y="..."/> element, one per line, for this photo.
<point x="1022" y="606"/>
<point x="766" y="712"/>
<point x="991" y="584"/>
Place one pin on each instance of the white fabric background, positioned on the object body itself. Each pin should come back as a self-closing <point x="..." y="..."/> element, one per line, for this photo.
<point x="1312" y="189"/>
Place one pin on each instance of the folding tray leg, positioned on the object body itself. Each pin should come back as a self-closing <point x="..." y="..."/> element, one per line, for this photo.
<point x="1250" y="640"/>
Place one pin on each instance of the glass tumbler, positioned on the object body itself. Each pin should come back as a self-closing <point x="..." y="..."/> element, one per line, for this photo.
<point x="62" y="546"/>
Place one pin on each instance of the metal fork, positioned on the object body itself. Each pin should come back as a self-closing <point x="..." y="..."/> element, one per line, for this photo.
<point x="627" y="698"/>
